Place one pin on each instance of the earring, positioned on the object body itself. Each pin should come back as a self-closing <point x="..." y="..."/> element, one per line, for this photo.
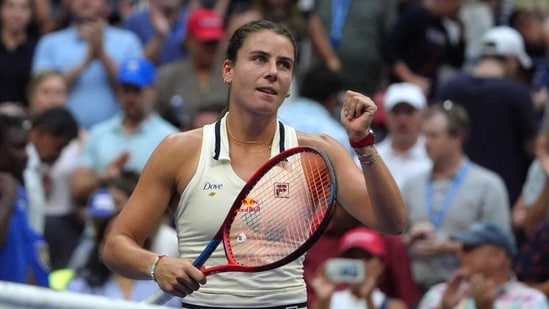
<point x="288" y="94"/>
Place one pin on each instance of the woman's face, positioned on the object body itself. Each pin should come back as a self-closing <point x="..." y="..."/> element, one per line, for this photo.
<point x="16" y="14"/>
<point x="261" y="75"/>
<point x="50" y="92"/>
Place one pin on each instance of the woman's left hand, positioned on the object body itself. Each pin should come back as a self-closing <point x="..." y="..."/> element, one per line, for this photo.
<point x="357" y="114"/>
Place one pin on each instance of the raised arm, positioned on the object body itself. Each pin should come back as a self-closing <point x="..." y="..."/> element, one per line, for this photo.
<point x="369" y="193"/>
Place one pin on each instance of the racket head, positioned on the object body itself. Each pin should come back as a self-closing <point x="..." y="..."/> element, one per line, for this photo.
<point x="281" y="211"/>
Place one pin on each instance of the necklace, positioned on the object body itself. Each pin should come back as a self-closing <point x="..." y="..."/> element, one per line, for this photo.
<point x="247" y="142"/>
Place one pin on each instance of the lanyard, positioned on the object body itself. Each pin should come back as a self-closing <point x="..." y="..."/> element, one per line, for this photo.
<point x="340" y="8"/>
<point x="438" y="217"/>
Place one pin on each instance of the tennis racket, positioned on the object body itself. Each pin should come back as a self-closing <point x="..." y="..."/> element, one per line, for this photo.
<point x="277" y="216"/>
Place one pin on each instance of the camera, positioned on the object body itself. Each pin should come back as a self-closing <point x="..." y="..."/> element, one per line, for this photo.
<point x="342" y="270"/>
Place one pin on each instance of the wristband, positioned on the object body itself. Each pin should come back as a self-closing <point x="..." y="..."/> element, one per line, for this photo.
<point x="154" y="264"/>
<point x="366" y="141"/>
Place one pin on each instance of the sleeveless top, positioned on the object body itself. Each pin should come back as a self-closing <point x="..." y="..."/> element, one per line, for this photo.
<point x="201" y="211"/>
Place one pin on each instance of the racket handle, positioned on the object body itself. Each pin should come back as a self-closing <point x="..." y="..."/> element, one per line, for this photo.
<point x="158" y="298"/>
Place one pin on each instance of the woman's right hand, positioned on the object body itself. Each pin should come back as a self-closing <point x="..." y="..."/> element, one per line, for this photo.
<point x="178" y="276"/>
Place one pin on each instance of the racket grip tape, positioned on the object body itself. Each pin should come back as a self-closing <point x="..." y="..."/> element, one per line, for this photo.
<point x="158" y="298"/>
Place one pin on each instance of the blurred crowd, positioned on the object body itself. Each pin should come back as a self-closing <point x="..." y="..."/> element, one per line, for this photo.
<point x="88" y="88"/>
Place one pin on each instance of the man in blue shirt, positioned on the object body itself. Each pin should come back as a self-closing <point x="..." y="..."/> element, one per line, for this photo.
<point x="88" y="53"/>
<point x="23" y="253"/>
<point x="126" y="140"/>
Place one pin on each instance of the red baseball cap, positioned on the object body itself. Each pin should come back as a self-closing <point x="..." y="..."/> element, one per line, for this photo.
<point x="205" y="25"/>
<point x="363" y="238"/>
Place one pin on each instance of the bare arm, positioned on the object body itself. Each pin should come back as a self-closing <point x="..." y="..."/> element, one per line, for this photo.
<point x="84" y="180"/>
<point x="165" y="175"/>
<point x="322" y="46"/>
<point x="369" y="194"/>
<point x="161" y="26"/>
<point x="8" y="194"/>
<point x="538" y="212"/>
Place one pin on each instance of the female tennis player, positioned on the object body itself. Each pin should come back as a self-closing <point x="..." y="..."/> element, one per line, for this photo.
<point x="197" y="174"/>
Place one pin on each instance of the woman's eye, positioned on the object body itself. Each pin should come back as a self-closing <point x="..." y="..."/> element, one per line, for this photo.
<point x="285" y="65"/>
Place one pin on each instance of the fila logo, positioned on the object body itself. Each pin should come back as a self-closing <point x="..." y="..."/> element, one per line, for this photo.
<point x="281" y="190"/>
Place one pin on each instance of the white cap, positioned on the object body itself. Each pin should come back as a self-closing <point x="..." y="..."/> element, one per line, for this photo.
<point x="505" y="41"/>
<point x="407" y="93"/>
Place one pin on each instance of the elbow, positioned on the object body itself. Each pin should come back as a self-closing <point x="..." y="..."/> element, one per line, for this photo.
<point x="395" y="227"/>
<point x="396" y="224"/>
<point x="109" y="253"/>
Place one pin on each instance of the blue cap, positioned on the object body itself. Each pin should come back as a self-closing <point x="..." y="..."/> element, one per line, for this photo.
<point x="487" y="233"/>
<point x="101" y="204"/>
<point x="139" y="72"/>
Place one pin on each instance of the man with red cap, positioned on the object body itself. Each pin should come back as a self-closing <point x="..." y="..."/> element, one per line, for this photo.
<point x="195" y="81"/>
<point x="360" y="290"/>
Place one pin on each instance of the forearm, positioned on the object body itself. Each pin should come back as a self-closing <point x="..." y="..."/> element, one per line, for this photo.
<point x="154" y="47"/>
<point x="110" y="67"/>
<point x="73" y="74"/>
<point x="124" y="256"/>
<point x="83" y="183"/>
<point x="537" y="212"/>
<point x="401" y="69"/>
<point x="541" y="286"/>
<point x="6" y="212"/>
<point x="385" y="197"/>
<point x="321" y="44"/>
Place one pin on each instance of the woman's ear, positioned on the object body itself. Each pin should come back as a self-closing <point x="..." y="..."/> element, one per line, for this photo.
<point x="227" y="72"/>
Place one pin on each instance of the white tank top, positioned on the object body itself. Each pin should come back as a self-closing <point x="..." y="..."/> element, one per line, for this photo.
<point x="201" y="211"/>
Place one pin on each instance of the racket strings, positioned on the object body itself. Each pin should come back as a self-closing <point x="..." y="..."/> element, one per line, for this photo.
<point x="282" y="210"/>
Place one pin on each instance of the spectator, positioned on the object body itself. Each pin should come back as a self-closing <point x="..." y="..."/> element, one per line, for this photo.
<point x="180" y="97"/>
<point x="19" y="35"/>
<point x="51" y="131"/>
<point x="89" y="59"/>
<point x="534" y="211"/>
<point x="301" y="20"/>
<point x="404" y="146"/>
<point x="477" y="17"/>
<point x="454" y="194"/>
<point x="366" y="246"/>
<point x="63" y="222"/>
<point x="503" y="125"/>
<point x="533" y="26"/>
<point x="427" y="36"/>
<point x="530" y="265"/>
<point x="356" y="30"/>
<point x="46" y="89"/>
<point x="485" y="278"/>
<point x="126" y="140"/>
<point x="161" y="27"/>
<point x="316" y="107"/>
<point x="23" y="253"/>
<point x="94" y="277"/>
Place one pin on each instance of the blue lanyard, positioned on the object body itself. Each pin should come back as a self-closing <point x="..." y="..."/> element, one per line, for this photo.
<point x="438" y="217"/>
<point x="340" y="8"/>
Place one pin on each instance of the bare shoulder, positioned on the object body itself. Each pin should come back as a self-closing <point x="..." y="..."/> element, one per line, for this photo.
<point x="182" y="142"/>
<point x="178" y="149"/>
